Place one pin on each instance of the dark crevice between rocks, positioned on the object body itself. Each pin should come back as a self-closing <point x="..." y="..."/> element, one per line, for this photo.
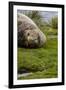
<point x="23" y="71"/>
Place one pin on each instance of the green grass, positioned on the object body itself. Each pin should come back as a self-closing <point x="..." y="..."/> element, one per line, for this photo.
<point x="50" y="31"/>
<point x="42" y="62"/>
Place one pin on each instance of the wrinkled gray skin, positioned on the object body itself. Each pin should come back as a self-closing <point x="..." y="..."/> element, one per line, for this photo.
<point x="29" y="35"/>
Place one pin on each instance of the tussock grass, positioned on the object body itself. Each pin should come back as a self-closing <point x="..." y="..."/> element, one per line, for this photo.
<point x="42" y="62"/>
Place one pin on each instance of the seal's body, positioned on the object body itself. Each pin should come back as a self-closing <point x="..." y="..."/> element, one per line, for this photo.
<point x="29" y="35"/>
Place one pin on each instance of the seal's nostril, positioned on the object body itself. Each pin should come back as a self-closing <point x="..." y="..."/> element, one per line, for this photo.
<point x="28" y="34"/>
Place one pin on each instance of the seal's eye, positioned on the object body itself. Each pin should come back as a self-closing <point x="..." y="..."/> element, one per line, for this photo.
<point x="28" y="34"/>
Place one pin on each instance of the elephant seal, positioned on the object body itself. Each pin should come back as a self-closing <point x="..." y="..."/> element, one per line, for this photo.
<point x="29" y="35"/>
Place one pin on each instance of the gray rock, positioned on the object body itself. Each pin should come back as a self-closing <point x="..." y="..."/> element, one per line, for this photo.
<point x="29" y="35"/>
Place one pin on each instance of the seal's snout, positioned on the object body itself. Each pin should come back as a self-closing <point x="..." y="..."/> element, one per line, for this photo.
<point x="29" y="38"/>
<point x="29" y="34"/>
<point x="32" y="40"/>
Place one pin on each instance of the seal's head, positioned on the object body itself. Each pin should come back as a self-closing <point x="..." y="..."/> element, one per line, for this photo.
<point x="29" y="35"/>
<point x="31" y="38"/>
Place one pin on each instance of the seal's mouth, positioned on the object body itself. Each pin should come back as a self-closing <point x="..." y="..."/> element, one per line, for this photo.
<point x="30" y="42"/>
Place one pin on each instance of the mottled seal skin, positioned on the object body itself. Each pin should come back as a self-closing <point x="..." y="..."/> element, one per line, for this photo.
<point x="29" y="35"/>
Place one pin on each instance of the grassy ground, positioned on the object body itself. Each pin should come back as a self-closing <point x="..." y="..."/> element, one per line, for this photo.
<point x="42" y="62"/>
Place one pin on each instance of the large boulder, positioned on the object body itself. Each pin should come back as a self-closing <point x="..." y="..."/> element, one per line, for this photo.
<point x="29" y="35"/>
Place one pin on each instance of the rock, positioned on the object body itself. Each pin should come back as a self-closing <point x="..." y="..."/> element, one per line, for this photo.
<point x="29" y="35"/>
